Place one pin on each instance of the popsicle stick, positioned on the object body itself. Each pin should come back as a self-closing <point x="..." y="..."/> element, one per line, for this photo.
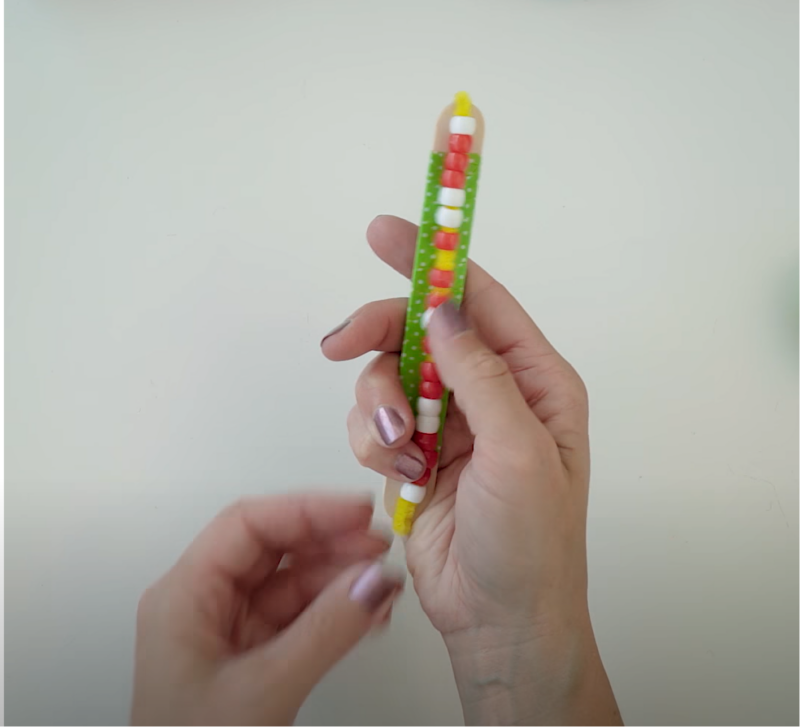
<point x="440" y="266"/>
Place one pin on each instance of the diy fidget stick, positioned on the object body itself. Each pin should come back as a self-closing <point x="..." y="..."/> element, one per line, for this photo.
<point x="440" y="268"/>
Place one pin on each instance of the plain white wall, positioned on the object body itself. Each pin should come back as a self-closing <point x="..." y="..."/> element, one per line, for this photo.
<point x="188" y="185"/>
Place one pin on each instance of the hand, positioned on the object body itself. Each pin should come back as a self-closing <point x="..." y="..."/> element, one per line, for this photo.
<point x="498" y="554"/>
<point x="228" y="637"/>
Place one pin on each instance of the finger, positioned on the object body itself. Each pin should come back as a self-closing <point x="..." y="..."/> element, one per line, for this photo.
<point x="377" y="326"/>
<point x="337" y="619"/>
<point x="406" y="463"/>
<point x="553" y="389"/>
<point x="487" y="393"/>
<point x="382" y="402"/>
<point x="253" y="534"/>
<point x="354" y="546"/>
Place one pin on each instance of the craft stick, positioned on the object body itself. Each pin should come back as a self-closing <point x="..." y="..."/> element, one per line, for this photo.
<point x="440" y="270"/>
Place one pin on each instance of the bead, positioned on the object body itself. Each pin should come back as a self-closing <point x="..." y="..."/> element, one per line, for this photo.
<point x="446" y="240"/>
<point x="422" y="481"/>
<point x="460" y="143"/>
<point x="431" y="390"/>
<point x="448" y="217"/>
<point x="445" y="260"/>
<point x="431" y="457"/>
<point x="413" y="493"/>
<point x="451" y="197"/>
<point x="429" y="373"/>
<point x="451" y="178"/>
<point x="456" y="162"/>
<point x="463" y="125"/>
<point x="437" y="297"/>
<point x="441" y="278"/>
<point x="462" y="104"/>
<point x="427" y="425"/>
<point x="403" y="517"/>
<point x="429" y="407"/>
<point x="426" y="345"/>
<point x="426" y="317"/>
<point x="426" y="441"/>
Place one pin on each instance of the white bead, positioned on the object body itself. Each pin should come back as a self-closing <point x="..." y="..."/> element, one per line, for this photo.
<point x="426" y="317"/>
<point x="427" y="424"/>
<point x="463" y="125"/>
<point x="429" y="407"/>
<point x="412" y="493"/>
<point x="446" y="217"/>
<point x="452" y="197"/>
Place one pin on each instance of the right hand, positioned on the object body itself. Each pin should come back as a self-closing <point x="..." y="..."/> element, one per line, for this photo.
<point x="498" y="555"/>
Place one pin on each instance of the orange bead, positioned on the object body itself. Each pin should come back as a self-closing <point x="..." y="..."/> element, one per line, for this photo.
<point x="460" y="143"/>
<point x="446" y="240"/>
<point x="426" y="441"/>
<point x="441" y="278"/>
<point x="429" y="373"/>
<point x="434" y="300"/>
<point x="452" y="178"/>
<point x="456" y="162"/>
<point x="431" y="390"/>
<point x="422" y="481"/>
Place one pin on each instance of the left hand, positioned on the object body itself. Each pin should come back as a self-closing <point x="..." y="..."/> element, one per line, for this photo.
<point x="228" y="637"/>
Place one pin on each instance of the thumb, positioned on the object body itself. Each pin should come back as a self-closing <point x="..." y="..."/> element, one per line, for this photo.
<point x="335" y="622"/>
<point x="481" y="380"/>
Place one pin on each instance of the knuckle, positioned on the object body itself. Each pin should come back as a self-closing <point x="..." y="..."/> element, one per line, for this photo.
<point x="486" y="365"/>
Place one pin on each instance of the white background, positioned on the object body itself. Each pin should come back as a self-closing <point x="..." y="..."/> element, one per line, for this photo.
<point x="188" y="185"/>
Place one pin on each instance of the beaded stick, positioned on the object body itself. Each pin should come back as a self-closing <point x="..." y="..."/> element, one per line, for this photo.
<point x="440" y="269"/>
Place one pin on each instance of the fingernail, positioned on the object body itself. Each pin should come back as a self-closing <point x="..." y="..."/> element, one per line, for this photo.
<point x="410" y="467"/>
<point x="373" y="587"/>
<point x="389" y="423"/>
<point x="334" y="331"/>
<point x="449" y="320"/>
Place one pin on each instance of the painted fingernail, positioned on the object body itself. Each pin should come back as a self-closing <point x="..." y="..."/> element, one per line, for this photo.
<point x="373" y="587"/>
<point x="449" y="320"/>
<point x="389" y="423"/>
<point x="346" y="322"/>
<point x="410" y="467"/>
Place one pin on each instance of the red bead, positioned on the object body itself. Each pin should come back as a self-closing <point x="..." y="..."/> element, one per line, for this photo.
<point x="431" y="390"/>
<point x="460" y="143"/>
<point x="451" y="178"/>
<point x="436" y="299"/>
<point x="429" y="373"/>
<point x="440" y="278"/>
<point x="422" y="481"/>
<point x="425" y="346"/>
<point x="456" y="162"/>
<point x="426" y="441"/>
<point x="431" y="457"/>
<point x="446" y="240"/>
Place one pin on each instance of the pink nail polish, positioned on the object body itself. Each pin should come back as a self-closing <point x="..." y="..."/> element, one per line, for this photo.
<point x="373" y="587"/>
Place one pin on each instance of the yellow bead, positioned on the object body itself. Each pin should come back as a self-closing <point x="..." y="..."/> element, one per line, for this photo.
<point x="463" y="104"/>
<point x="403" y="516"/>
<point x="445" y="260"/>
<point x="449" y="229"/>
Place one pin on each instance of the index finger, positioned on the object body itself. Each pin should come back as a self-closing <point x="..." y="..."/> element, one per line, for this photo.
<point x="250" y="537"/>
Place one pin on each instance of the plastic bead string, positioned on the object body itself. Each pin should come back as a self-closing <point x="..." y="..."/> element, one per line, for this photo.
<point x="439" y="275"/>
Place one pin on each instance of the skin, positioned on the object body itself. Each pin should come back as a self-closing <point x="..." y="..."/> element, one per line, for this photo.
<point x="275" y="591"/>
<point x="228" y="637"/>
<point x="498" y="555"/>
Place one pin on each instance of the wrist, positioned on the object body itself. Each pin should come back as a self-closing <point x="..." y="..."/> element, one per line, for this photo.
<point x="531" y="674"/>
